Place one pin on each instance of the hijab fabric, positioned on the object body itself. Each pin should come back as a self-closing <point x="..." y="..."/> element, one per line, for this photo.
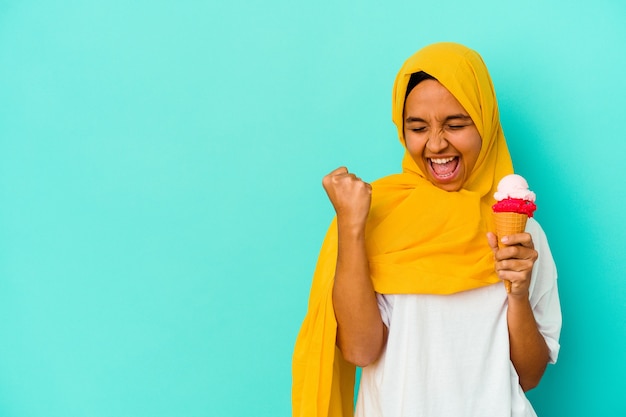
<point x="419" y="239"/>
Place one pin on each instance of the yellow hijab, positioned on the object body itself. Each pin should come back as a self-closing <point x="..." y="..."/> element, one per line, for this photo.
<point x="419" y="239"/>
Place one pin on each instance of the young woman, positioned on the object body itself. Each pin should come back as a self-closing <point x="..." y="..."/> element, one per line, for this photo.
<point x="409" y="283"/>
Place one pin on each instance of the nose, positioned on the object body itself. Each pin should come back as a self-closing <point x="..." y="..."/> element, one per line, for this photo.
<point x="436" y="142"/>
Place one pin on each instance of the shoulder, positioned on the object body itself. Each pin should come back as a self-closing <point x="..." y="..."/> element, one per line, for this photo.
<point x="540" y="240"/>
<point x="533" y="226"/>
<point x="388" y="192"/>
<point x="544" y="272"/>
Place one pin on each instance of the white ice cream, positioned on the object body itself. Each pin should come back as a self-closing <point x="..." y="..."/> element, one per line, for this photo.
<point x="514" y="186"/>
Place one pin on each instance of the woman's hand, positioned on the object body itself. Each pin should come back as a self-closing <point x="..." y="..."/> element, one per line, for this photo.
<point x="514" y="262"/>
<point x="350" y="196"/>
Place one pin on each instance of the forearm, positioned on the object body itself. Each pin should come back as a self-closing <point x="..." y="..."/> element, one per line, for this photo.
<point x="361" y="333"/>
<point x="529" y="351"/>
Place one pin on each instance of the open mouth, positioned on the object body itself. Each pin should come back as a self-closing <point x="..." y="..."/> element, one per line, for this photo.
<point x="444" y="168"/>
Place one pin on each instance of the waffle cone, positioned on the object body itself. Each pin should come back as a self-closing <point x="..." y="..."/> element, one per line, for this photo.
<point x="509" y="224"/>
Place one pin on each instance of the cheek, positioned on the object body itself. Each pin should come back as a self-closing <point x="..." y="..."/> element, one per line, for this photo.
<point x="414" y="146"/>
<point x="472" y="147"/>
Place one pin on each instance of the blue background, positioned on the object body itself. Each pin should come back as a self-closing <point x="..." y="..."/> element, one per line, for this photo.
<point x="160" y="199"/>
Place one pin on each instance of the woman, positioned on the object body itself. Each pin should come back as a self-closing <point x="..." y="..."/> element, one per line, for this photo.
<point x="409" y="283"/>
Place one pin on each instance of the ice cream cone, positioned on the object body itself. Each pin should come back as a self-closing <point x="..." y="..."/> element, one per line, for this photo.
<point x="508" y="223"/>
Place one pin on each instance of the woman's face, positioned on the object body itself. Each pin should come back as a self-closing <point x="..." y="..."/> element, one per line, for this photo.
<point x="440" y="135"/>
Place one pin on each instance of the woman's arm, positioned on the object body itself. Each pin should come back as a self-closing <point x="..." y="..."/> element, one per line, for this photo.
<point x="361" y="333"/>
<point x="529" y="351"/>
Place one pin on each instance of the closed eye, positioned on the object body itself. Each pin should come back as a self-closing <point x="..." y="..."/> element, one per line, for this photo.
<point x="458" y="121"/>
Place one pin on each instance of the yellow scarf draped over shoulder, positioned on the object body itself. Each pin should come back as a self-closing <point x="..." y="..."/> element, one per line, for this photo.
<point x="419" y="239"/>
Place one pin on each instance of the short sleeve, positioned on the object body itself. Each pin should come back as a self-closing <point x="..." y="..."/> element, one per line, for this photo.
<point x="544" y="295"/>
<point x="385" y="305"/>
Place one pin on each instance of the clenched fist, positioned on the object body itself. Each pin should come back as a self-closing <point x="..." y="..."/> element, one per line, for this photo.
<point x="350" y="196"/>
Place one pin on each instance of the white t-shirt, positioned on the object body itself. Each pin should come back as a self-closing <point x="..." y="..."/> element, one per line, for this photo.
<point x="448" y="355"/>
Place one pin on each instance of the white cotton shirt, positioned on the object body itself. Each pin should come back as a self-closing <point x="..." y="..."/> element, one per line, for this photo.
<point x="448" y="355"/>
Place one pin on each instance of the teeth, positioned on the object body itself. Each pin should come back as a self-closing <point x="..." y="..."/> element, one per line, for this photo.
<point x="442" y="160"/>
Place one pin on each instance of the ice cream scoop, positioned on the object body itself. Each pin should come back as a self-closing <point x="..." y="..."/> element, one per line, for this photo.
<point x="514" y="186"/>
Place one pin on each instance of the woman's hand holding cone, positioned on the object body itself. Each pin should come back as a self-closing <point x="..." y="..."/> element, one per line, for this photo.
<point x="514" y="260"/>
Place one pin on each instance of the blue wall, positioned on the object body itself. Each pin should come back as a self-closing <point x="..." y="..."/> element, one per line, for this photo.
<point x="160" y="199"/>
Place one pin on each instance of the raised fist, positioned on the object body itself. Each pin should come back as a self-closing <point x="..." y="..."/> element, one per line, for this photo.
<point x="350" y="196"/>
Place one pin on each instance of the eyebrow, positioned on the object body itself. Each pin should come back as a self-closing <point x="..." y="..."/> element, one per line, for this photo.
<point x="412" y="119"/>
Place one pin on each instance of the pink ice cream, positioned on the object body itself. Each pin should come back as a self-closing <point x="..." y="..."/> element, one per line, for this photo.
<point x="514" y="196"/>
